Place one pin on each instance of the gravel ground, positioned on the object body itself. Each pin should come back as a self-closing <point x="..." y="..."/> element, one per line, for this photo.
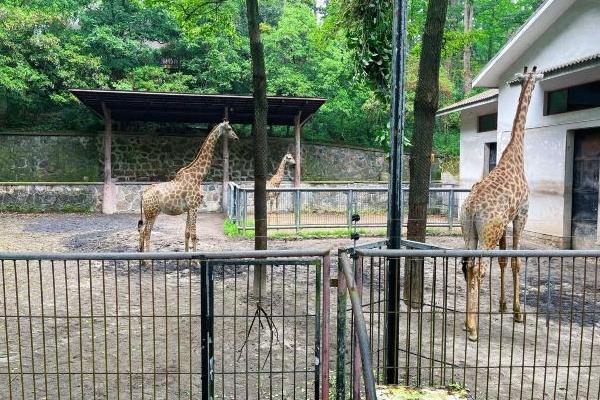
<point x="138" y="328"/>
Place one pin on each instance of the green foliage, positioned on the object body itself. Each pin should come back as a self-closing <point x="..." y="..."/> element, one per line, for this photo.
<point x="49" y="46"/>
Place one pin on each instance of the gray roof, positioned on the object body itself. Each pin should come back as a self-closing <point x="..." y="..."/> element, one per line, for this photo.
<point x="483" y="97"/>
<point x="196" y="108"/>
<point x="566" y="67"/>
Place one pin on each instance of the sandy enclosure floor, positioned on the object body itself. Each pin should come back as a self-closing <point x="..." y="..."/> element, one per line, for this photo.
<point x="92" y="329"/>
<point x="554" y="353"/>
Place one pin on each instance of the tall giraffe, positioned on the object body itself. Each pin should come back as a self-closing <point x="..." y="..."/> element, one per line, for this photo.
<point x="276" y="179"/>
<point x="183" y="193"/>
<point x="497" y="200"/>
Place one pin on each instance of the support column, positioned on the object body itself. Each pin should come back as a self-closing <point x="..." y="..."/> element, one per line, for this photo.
<point x="109" y="191"/>
<point x="298" y="150"/>
<point x="225" y="190"/>
<point x="395" y="216"/>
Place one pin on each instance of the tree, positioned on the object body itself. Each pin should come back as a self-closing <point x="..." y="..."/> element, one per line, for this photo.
<point x="259" y="130"/>
<point x="425" y="107"/>
<point x="468" y="27"/>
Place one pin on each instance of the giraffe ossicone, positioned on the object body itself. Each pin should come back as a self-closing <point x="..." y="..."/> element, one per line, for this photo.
<point x="181" y="194"/>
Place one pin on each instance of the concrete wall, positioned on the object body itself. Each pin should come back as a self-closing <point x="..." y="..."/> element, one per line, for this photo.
<point x="548" y="140"/>
<point x="472" y="145"/>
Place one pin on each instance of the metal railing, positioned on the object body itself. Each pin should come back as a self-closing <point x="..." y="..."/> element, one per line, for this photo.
<point x="327" y="207"/>
<point x="553" y="353"/>
<point x="180" y="325"/>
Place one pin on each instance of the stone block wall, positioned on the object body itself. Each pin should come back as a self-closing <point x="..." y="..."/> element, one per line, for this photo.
<point x="50" y="198"/>
<point x="81" y="197"/>
<point x="153" y="158"/>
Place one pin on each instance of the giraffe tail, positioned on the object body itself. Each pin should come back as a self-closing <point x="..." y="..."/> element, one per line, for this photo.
<point x="141" y="221"/>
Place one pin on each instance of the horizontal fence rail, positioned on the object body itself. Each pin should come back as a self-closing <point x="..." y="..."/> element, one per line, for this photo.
<point x="173" y="325"/>
<point x="327" y="207"/>
<point x="553" y="353"/>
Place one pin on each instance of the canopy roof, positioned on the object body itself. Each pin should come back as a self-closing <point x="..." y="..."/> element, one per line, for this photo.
<point x="194" y="108"/>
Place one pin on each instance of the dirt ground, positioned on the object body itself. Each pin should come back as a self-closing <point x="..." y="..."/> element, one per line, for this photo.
<point x="94" y="329"/>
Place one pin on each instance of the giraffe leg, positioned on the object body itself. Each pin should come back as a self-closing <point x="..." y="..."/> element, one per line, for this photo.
<point x="192" y="228"/>
<point x="502" y="262"/>
<point x="518" y="226"/>
<point x="147" y="230"/>
<point x="492" y="232"/>
<point x="187" y="232"/>
<point x="468" y="266"/>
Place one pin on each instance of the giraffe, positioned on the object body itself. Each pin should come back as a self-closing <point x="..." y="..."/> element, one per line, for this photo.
<point x="183" y="193"/>
<point x="494" y="202"/>
<point x="276" y="179"/>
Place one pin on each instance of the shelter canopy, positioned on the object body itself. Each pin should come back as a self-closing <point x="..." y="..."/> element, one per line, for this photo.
<point x="194" y="108"/>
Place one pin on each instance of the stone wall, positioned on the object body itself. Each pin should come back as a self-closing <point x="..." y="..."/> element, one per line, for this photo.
<point x="81" y="197"/>
<point x="153" y="157"/>
<point x="50" y="198"/>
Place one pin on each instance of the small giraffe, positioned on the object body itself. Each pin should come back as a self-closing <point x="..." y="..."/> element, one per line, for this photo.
<point x="183" y="193"/>
<point x="494" y="202"/>
<point x="276" y="179"/>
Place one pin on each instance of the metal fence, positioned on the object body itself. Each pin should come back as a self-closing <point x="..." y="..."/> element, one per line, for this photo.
<point x="181" y="325"/>
<point x="327" y="207"/>
<point x="553" y="353"/>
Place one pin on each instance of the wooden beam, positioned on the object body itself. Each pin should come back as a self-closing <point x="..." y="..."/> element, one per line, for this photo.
<point x="108" y="191"/>
<point x="224" y="191"/>
<point x="298" y="150"/>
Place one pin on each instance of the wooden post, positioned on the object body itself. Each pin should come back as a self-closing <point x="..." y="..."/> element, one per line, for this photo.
<point x="298" y="154"/>
<point x="108" y="192"/>
<point x="224" y="191"/>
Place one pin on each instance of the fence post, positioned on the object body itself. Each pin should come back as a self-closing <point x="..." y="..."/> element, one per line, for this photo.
<point x="349" y="199"/>
<point x="342" y="300"/>
<point x="245" y="211"/>
<point x="356" y="356"/>
<point x="207" y="330"/>
<point x="297" y="210"/>
<point x="325" y="328"/>
<point x="451" y="210"/>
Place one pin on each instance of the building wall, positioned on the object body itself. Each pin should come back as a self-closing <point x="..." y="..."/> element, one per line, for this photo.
<point x="548" y="155"/>
<point x="472" y="145"/>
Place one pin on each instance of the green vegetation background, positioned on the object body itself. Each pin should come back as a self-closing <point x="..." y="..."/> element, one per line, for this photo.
<point x="339" y="51"/>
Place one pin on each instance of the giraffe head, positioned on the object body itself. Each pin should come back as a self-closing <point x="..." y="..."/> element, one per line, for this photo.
<point x="528" y="77"/>
<point x="226" y="130"/>
<point x="288" y="159"/>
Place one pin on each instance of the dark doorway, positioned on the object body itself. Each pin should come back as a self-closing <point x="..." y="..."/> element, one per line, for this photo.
<point x="490" y="157"/>
<point x="586" y="168"/>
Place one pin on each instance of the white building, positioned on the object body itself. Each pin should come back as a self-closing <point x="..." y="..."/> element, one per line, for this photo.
<point x="562" y="138"/>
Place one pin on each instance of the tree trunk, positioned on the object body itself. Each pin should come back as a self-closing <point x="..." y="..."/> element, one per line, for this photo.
<point x="467" y="51"/>
<point x="259" y="129"/>
<point x="425" y="106"/>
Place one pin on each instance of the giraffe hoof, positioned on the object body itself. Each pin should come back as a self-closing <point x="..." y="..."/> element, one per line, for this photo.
<point x="473" y="336"/>
<point x="503" y="307"/>
<point x="518" y="317"/>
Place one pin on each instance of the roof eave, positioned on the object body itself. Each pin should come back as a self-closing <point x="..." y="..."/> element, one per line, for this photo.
<point x="467" y="106"/>
<point x="530" y="31"/>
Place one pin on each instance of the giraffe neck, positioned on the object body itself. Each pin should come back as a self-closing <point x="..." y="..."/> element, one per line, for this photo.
<point x="276" y="179"/>
<point x="513" y="153"/>
<point x="198" y="168"/>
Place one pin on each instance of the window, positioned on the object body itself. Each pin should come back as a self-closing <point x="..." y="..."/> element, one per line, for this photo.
<point x="574" y="98"/>
<point x="487" y="122"/>
<point x="489" y="157"/>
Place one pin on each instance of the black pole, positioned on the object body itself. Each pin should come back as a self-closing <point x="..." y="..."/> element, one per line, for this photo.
<point x="395" y="192"/>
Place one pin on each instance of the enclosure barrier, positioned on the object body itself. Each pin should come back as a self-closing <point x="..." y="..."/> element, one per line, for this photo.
<point x="180" y="325"/>
<point x="327" y="207"/>
<point x="553" y="353"/>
